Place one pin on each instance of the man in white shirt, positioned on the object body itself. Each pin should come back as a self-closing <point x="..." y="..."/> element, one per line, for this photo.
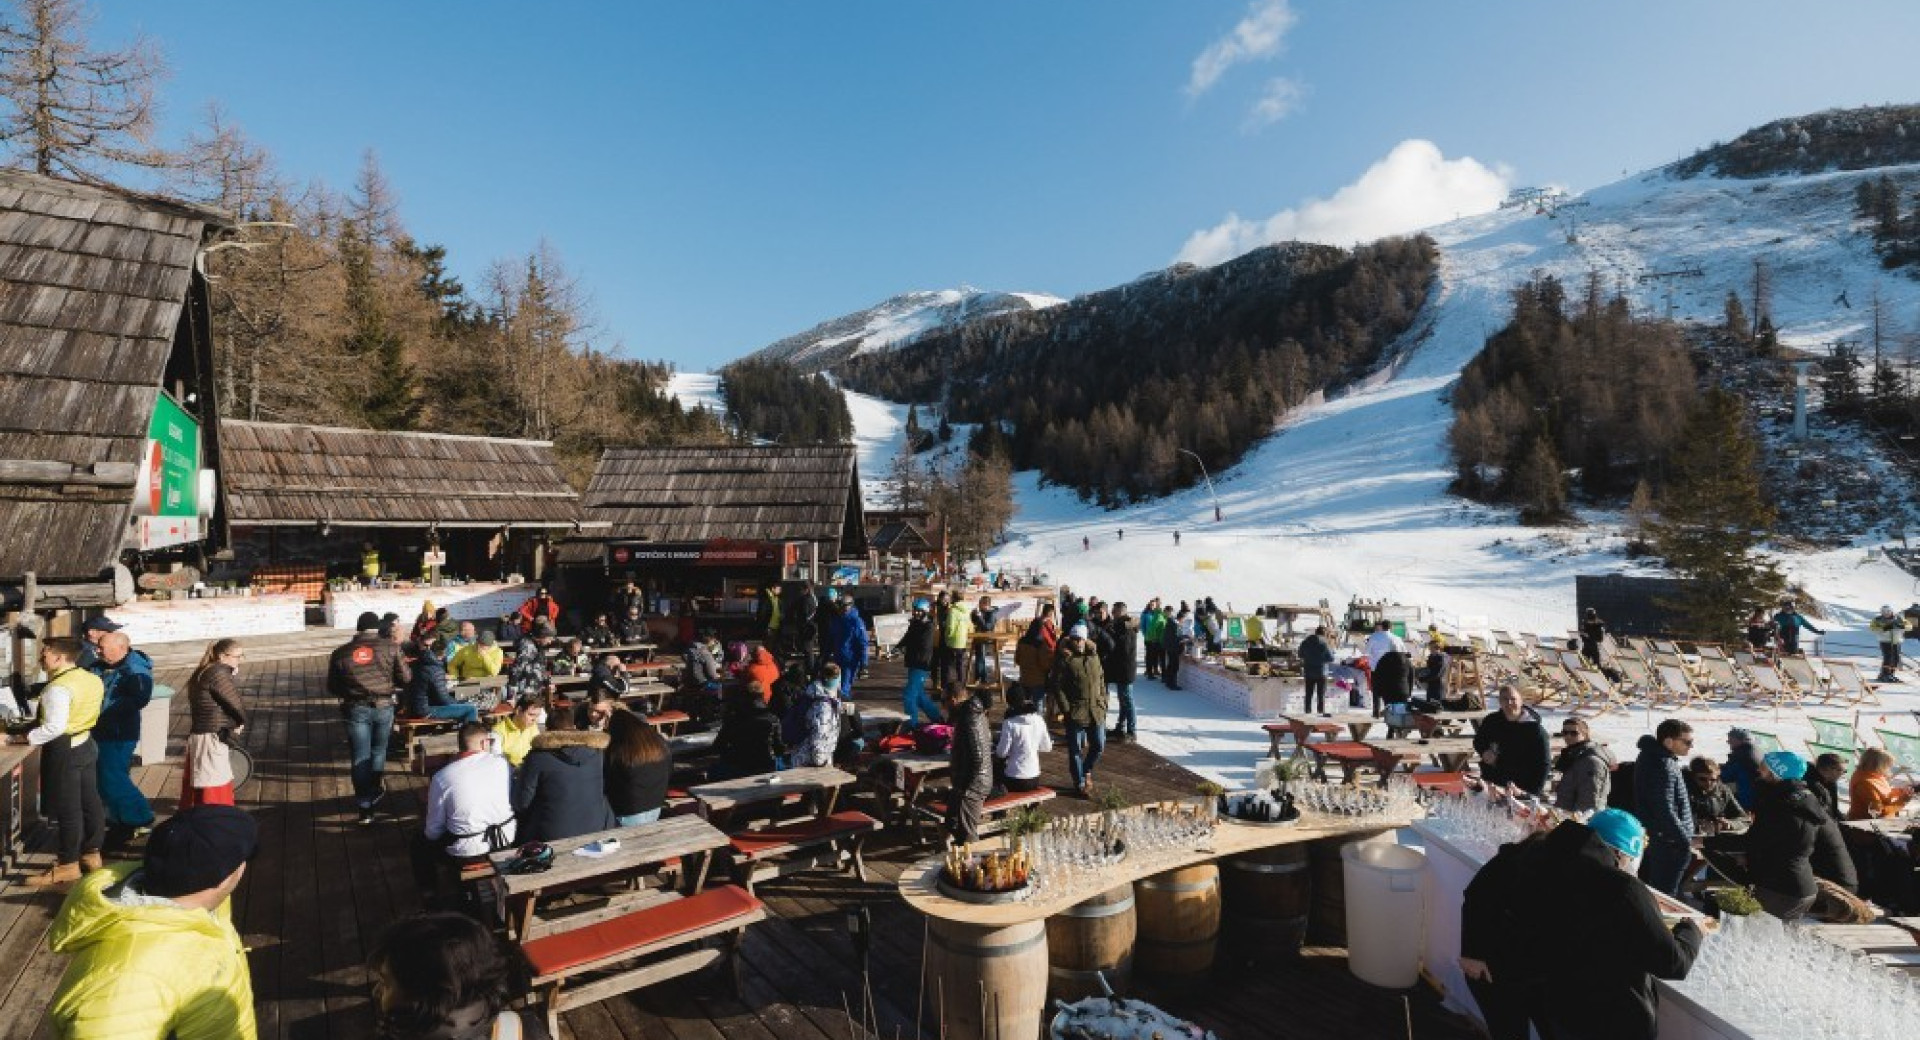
<point x="1381" y="643"/>
<point x="467" y="797"/>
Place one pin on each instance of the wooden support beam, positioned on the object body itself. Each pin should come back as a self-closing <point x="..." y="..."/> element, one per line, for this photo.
<point x="97" y="474"/>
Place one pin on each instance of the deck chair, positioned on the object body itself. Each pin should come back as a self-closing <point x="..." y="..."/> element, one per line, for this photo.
<point x="1552" y="685"/>
<point x="1710" y="651"/>
<point x="1640" y="677"/>
<point x="1718" y="676"/>
<point x="1598" y="696"/>
<point x="1666" y="646"/>
<point x="1763" y="742"/>
<point x="1848" y="684"/>
<point x="1769" y="687"/>
<point x="1641" y="646"/>
<point x="1905" y="749"/>
<point x="1799" y="671"/>
<point x="1849" y="757"/>
<point x="1836" y="733"/>
<point x="1674" y="688"/>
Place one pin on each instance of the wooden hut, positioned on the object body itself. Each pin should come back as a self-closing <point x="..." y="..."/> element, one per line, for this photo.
<point x="106" y="395"/>
<point x="305" y="503"/>
<point x="720" y="523"/>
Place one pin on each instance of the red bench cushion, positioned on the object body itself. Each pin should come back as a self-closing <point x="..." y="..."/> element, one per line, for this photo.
<point x="1000" y="802"/>
<point x="803" y="832"/>
<point x="1344" y="750"/>
<point x="668" y="718"/>
<point x="557" y="953"/>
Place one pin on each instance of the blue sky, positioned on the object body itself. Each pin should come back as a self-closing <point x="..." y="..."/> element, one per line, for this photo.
<point x="722" y="174"/>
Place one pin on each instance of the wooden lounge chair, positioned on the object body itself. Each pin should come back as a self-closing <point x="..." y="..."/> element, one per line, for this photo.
<point x="1640" y="677"/>
<point x="1848" y="684"/>
<point x="1717" y="675"/>
<point x="1552" y="685"/>
<point x="1676" y="688"/>
<point x="1799" y="671"/>
<point x="1768" y="685"/>
<point x="1641" y="646"/>
<point x="1601" y="697"/>
<point x="1905" y="749"/>
<point x="1835" y="733"/>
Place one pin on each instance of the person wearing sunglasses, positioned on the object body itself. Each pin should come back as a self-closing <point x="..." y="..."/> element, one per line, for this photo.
<point x="1661" y="801"/>
<point x="1585" y="768"/>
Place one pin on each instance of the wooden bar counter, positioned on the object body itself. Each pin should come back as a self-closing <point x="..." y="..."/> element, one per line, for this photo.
<point x="987" y="963"/>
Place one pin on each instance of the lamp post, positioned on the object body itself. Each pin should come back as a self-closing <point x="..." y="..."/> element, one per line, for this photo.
<point x="1203" y="476"/>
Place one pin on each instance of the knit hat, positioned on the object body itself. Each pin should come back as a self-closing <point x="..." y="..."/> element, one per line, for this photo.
<point x="195" y="850"/>
<point x="920" y="604"/>
<point x="369" y="621"/>
<point x="1785" y="764"/>
<point x="1078" y="631"/>
<point x="1619" y="829"/>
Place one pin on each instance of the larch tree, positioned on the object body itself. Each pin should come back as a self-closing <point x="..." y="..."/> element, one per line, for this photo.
<point x="67" y="109"/>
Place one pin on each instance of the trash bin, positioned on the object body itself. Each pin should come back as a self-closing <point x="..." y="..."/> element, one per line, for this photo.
<point x="1384" y="901"/>
<point x="152" y="748"/>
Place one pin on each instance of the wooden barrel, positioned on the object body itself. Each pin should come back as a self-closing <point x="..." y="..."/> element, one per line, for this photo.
<point x="1327" y="919"/>
<point x="1179" y="915"/>
<point x="985" y="982"/>
<point x="1094" y="937"/>
<point x="1267" y="896"/>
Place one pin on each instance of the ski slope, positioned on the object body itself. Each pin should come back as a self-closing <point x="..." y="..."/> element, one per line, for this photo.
<point x="1348" y="497"/>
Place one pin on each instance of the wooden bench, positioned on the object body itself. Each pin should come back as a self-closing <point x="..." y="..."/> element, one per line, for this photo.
<point x="663" y="941"/>
<point x="1441" y="782"/>
<point x="409" y="728"/>
<point x="668" y="721"/>
<point x="775" y="851"/>
<point x="993" y="814"/>
<point x="1276" y="730"/>
<point x="1351" y="754"/>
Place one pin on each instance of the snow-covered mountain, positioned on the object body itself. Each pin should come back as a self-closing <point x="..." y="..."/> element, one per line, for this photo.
<point x="893" y="322"/>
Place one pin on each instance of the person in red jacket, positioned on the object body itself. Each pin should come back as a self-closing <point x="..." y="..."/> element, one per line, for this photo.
<point x="539" y="605"/>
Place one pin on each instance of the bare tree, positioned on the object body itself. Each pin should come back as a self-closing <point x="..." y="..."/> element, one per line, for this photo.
<point x="69" y="109"/>
<point x="222" y="167"/>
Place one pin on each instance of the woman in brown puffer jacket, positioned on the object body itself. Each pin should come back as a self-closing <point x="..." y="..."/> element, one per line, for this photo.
<point x="213" y="694"/>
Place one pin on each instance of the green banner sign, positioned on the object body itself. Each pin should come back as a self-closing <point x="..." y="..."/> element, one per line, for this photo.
<point x="176" y="463"/>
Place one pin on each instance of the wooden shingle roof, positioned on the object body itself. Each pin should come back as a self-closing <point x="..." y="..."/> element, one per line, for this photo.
<point x="747" y="493"/>
<point x="92" y="284"/>
<point x="285" y="474"/>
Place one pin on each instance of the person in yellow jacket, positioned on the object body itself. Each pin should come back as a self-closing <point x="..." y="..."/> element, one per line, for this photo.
<point x="154" y="950"/>
<point x="956" y="631"/>
<point x="477" y="660"/>
<point x="513" y="735"/>
<point x="69" y="763"/>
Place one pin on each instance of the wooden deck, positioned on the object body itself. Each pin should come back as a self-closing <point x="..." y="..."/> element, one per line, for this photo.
<point x="322" y="888"/>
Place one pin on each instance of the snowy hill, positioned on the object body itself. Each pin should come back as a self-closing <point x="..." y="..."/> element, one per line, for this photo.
<point x="1349" y="496"/>
<point x="894" y="322"/>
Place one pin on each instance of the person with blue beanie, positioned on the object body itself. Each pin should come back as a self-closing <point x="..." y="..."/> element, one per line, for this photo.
<point x="1787" y="820"/>
<point x="1557" y="932"/>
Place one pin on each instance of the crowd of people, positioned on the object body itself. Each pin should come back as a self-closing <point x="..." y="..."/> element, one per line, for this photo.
<point x="546" y="768"/>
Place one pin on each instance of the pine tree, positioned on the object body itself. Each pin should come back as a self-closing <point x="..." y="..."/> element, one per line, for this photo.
<point x="1713" y="517"/>
<point x="66" y="109"/>
<point x="1736" y="318"/>
<point x="1539" y="484"/>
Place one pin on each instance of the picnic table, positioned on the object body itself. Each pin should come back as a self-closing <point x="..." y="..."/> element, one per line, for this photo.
<point x="642" y="847"/>
<point x="915" y="770"/>
<point x="1449" y="753"/>
<point x="725" y="796"/>
<point x="645" y="650"/>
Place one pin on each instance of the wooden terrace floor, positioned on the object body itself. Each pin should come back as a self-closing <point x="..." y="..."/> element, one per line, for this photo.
<point x="322" y="888"/>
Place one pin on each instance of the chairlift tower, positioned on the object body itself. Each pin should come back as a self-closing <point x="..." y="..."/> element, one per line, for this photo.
<point x="1667" y="278"/>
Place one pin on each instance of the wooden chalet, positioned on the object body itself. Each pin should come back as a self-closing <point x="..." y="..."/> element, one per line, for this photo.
<point x="104" y="339"/>
<point x="300" y="492"/>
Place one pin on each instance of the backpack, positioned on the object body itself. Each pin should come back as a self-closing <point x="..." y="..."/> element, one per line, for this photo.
<point x="934" y="738"/>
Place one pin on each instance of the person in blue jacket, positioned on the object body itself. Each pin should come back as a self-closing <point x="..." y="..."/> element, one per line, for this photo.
<point x="849" y="646"/>
<point x="127" y="676"/>
<point x="1790" y="622"/>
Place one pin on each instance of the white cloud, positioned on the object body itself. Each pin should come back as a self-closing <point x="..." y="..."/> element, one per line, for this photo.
<point x="1258" y="35"/>
<point x="1277" y="102"/>
<point x="1414" y="187"/>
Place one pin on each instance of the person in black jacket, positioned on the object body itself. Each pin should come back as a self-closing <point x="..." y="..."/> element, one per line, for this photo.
<point x="1392" y="681"/>
<point x="560" y="790"/>
<point x="748" y="743"/>
<point x="1558" y="930"/>
<point x="1121" y="662"/>
<point x="1660" y="800"/>
<point x="1712" y="800"/>
<point x="917" y="648"/>
<point x="1315" y="655"/>
<point x="972" y="760"/>
<point x="639" y="764"/>
<point x="1786" y="823"/>
<point x="1512" y="742"/>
